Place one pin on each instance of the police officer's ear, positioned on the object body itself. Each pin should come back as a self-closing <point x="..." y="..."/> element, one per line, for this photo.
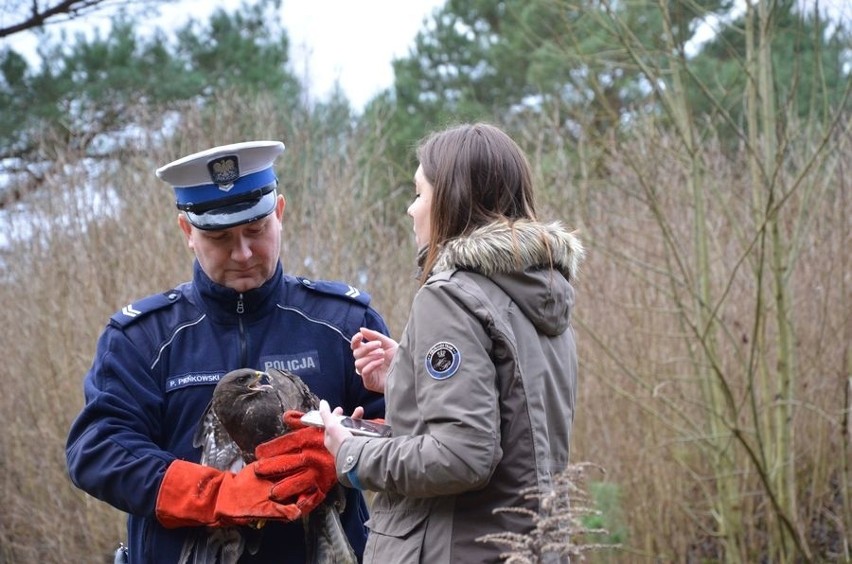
<point x="280" y="204"/>
<point x="186" y="228"/>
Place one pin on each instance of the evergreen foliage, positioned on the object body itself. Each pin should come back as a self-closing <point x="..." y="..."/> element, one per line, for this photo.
<point x="598" y="65"/>
<point x="85" y="87"/>
<point x="811" y="62"/>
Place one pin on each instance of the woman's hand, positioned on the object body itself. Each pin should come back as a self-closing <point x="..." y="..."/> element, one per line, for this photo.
<point x="373" y="354"/>
<point x="335" y="433"/>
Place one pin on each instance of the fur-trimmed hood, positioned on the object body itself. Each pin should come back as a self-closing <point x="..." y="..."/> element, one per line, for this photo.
<point x="490" y="249"/>
<point x="533" y="262"/>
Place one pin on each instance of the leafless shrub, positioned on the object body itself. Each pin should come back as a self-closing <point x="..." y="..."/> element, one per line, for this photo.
<point x="559" y="526"/>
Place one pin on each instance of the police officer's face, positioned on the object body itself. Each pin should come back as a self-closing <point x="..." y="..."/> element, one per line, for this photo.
<point x="242" y="257"/>
<point x="421" y="208"/>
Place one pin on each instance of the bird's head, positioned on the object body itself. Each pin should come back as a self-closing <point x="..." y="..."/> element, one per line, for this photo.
<point x="258" y="382"/>
<point x="261" y="383"/>
<point x="246" y="381"/>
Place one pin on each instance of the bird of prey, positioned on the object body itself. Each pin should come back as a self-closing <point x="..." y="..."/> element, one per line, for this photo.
<point x="245" y="411"/>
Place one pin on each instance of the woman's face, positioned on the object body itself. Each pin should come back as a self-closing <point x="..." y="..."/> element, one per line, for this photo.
<point x="420" y="209"/>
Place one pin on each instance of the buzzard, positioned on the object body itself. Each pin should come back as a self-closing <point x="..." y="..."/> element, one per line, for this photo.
<point x="245" y="411"/>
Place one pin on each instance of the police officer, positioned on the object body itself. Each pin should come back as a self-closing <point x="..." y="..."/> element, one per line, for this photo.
<point x="159" y="358"/>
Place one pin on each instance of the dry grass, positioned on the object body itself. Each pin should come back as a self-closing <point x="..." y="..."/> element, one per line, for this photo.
<point x="641" y="413"/>
<point x="562" y="528"/>
<point x="643" y="356"/>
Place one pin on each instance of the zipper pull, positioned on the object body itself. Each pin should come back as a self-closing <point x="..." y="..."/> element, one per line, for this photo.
<point x="240" y="306"/>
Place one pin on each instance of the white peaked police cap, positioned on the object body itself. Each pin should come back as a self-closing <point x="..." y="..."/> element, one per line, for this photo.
<point x="225" y="186"/>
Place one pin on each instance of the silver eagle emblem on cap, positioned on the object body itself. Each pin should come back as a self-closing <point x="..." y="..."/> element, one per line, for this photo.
<point x="224" y="171"/>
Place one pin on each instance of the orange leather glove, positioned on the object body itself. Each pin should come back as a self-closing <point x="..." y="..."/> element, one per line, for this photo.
<point x="301" y="467"/>
<point x="193" y="495"/>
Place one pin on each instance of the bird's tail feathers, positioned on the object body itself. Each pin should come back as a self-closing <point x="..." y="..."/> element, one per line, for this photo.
<point x="213" y="546"/>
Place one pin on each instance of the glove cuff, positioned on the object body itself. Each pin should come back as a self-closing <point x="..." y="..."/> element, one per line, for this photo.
<point x="187" y="495"/>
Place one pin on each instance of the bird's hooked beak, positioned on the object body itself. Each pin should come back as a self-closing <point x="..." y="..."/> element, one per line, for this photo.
<point x="261" y="382"/>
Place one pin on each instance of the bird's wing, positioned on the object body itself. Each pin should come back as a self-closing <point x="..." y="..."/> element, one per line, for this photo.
<point x="222" y="545"/>
<point x="292" y="392"/>
<point x="218" y="450"/>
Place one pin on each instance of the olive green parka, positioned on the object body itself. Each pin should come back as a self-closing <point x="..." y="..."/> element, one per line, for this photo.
<point x="480" y="396"/>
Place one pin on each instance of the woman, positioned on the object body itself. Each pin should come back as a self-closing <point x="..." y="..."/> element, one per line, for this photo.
<point x="480" y="389"/>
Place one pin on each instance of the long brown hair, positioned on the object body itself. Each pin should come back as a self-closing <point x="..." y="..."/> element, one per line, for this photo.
<point x="479" y="175"/>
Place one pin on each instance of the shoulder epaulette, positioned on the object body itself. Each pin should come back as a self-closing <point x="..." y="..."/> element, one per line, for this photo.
<point x="137" y="310"/>
<point x="340" y="289"/>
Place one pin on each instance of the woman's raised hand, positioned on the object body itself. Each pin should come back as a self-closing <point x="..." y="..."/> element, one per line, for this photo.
<point x="373" y="354"/>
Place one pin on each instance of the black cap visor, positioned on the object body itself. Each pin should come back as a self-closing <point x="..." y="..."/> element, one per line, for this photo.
<point x="233" y="214"/>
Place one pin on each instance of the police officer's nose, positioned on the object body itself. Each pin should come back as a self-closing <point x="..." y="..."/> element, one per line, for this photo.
<point x="241" y="251"/>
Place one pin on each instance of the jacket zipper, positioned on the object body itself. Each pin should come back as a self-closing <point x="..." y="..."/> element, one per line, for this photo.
<point x="241" y="308"/>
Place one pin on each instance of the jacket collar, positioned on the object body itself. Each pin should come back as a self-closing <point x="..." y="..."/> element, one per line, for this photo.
<point x="222" y="302"/>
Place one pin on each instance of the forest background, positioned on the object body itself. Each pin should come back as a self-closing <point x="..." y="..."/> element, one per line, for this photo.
<point x="709" y="182"/>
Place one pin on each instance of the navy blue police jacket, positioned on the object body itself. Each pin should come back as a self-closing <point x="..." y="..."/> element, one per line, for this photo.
<point x="156" y="364"/>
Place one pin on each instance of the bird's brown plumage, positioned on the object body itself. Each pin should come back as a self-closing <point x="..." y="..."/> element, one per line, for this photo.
<point x="249" y="404"/>
<point x="246" y="410"/>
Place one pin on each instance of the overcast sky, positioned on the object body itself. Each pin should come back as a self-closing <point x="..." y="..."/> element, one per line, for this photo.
<point x="350" y="41"/>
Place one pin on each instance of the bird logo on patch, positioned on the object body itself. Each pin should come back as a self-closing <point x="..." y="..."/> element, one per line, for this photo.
<point x="443" y="360"/>
<point x="224" y="171"/>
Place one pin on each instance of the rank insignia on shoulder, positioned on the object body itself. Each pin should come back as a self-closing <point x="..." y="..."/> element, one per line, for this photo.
<point x="135" y="310"/>
<point x="337" y="289"/>
<point x="443" y="360"/>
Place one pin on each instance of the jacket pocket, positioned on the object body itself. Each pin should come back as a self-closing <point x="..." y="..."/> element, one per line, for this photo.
<point x="397" y="532"/>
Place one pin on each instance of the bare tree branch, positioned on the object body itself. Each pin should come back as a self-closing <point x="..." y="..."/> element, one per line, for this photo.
<point x="24" y="15"/>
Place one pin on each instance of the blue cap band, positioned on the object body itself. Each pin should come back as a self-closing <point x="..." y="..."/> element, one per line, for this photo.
<point x="204" y="194"/>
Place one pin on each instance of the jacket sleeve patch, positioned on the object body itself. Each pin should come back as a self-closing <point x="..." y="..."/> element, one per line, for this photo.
<point x="337" y="289"/>
<point x="443" y="360"/>
<point x="133" y="312"/>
